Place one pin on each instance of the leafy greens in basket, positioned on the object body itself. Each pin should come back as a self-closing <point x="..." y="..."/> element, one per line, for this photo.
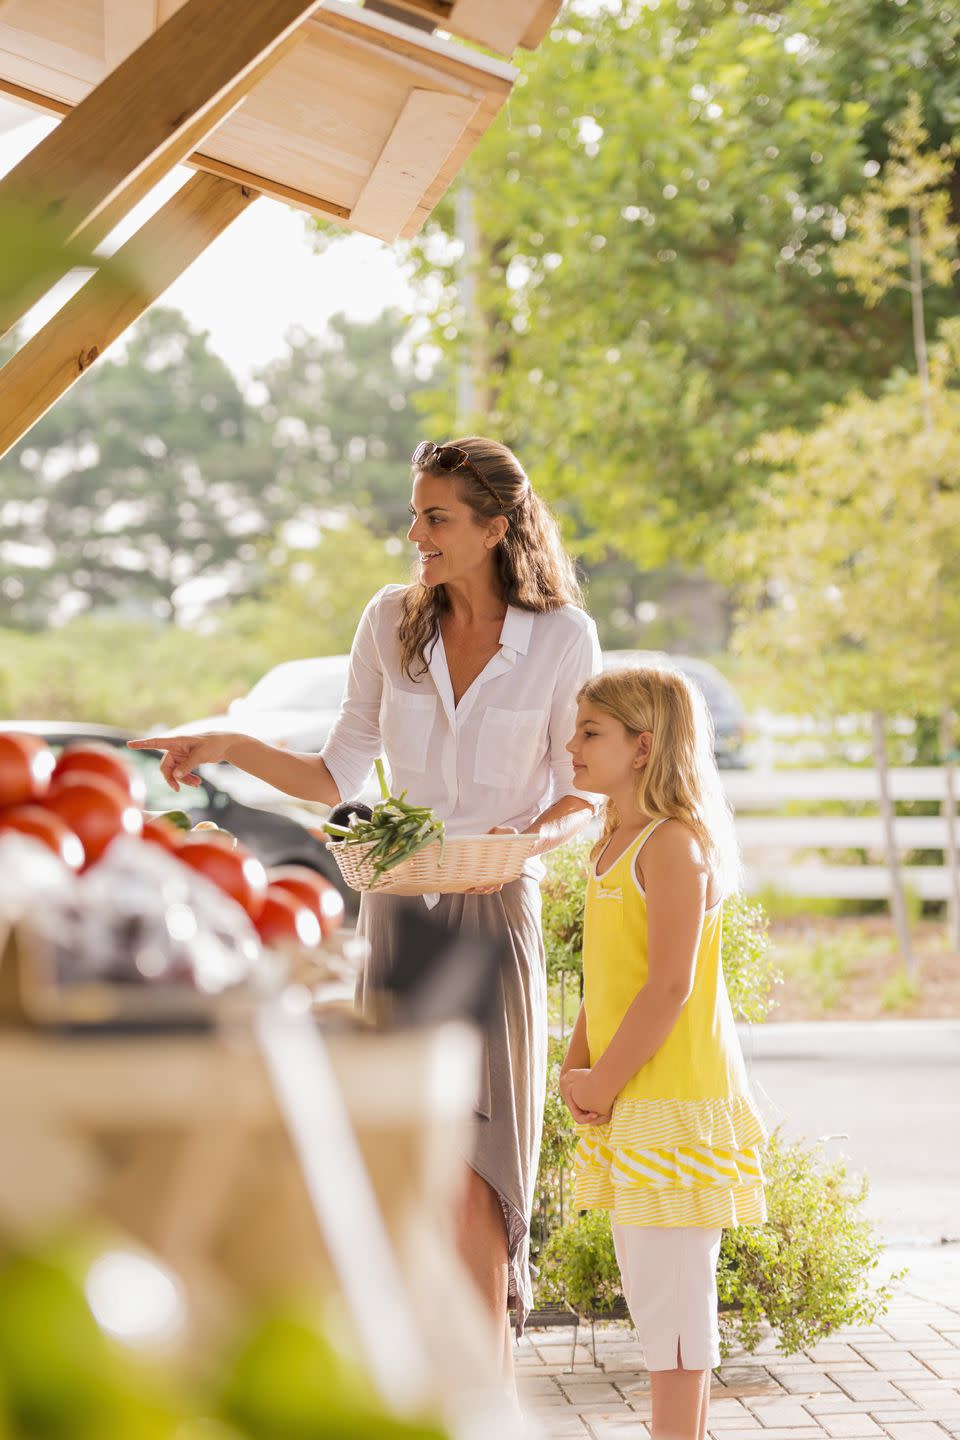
<point x="395" y="828"/>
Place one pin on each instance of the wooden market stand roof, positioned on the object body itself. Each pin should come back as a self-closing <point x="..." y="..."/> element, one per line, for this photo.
<point x="360" y="115"/>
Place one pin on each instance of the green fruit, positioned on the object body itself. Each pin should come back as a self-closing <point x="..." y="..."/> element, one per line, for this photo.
<point x="63" y="1378"/>
<point x="178" y="818"/>
<point x="288" y="1382"/>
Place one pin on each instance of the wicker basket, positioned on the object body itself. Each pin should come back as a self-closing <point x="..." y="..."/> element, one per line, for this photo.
<point x="468" y="861"/>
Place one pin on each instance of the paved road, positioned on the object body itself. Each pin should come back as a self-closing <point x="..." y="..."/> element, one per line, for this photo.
<point x="902" y="1120"/>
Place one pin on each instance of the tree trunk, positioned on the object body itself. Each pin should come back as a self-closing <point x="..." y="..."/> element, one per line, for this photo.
<point x="898" y="906"/>
<point x="948" y="740"/>
<point x="919" y="322"/>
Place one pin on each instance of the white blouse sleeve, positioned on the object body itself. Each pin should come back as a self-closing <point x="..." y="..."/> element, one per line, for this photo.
<point x="354" y="742"/>
<point x="580" y="662"/>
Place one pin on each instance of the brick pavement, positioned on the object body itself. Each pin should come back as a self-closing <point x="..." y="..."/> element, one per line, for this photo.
<point x="899" y="1378"/>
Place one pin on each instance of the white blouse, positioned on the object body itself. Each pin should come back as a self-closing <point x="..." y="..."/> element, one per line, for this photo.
<point x="497" y="758"/>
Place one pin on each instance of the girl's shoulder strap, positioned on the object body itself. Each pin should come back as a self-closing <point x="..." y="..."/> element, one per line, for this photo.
<point x="645" y="834"/>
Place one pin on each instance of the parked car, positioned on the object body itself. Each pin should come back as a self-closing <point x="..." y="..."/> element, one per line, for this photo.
<point x="294" y="704"/>
<point x="225" y="796"/>
<point x="726" y="711"/>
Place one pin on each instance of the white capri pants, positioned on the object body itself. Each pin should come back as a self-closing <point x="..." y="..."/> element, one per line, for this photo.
<point x="669" y="1279"/>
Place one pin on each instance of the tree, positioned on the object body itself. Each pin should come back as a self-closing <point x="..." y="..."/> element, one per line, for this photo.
<point x="310" y="601"/>
<point x="144" y="477"/>
<point x="851" y="573"/>
<point x="900" y="236"/>
<point x="341" y="412"/>
<point x="653" y="218"/>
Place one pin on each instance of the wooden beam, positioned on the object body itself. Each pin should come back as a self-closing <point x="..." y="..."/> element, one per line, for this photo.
<point x="143" y="118"/>
<point x="427" y="129"/>
<point x="126" y="25"/>
<point x="501" y="25"/>
<point x="49" y="363"/>
<point x="263" y="184"/>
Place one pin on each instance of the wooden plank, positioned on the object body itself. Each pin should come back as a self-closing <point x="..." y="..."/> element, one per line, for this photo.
<point x="501" y="25"/>
<point x="846" y="882"/>
<point x="144" y="118"/>
<point x="263" y="184"/>
<point x="836" y="832"/>
<point x="427" y="130"/>
<point x="540" y="23"/>
<point x="765" y="789"/>
<point x="126" y="24"/>
<point x="53" y="359"/>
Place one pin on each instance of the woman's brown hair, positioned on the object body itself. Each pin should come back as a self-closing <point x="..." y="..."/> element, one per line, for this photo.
<point x="534" y="570"/>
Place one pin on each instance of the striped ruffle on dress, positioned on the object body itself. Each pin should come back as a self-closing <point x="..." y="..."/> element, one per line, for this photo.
<point x="683" y="1145"/>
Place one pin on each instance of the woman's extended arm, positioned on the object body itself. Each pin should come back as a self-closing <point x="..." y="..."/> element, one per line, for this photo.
<point x="305" y="776"/>
<point x="676" y="887"/>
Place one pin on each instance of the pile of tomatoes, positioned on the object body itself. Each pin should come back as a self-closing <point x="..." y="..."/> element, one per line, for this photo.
<point x="77" y="803"/>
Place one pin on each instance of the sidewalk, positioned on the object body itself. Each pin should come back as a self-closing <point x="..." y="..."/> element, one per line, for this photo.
<point x="899" y="1378"/>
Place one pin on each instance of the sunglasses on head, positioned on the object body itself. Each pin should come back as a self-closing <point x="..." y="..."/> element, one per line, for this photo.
<point x="449" y="458"/>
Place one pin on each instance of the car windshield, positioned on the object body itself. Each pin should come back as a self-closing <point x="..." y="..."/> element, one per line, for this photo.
<point x="301" y="685"/>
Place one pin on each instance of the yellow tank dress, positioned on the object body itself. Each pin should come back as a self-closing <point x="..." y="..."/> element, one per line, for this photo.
<point x="682" y="1146"/>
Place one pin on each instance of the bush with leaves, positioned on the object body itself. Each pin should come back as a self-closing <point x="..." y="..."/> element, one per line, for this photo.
<point x="564" y="890"/>
<point x="805" y="1273"/>
<point x="748" y="965"/>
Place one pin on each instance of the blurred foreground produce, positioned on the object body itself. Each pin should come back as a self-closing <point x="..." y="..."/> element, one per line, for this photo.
<point x="64" y="1375"/>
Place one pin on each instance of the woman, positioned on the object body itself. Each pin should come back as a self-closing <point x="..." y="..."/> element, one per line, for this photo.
<point x="466" y="679"/>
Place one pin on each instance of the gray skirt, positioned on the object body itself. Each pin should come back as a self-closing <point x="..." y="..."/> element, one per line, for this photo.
<point x="513" y="1074"/>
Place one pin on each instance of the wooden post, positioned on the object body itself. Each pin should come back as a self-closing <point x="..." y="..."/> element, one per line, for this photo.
<point x="898" y="906"/>
<point x="49" y="363"/>
<point x="145" y="116"/>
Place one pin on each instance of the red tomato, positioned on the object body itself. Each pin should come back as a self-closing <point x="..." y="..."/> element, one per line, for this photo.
<point x="47" y="827"/>
<point x="96" y="809"/>
<point x="91" y="758"/>
<point x="162" y="833"/>
<point x="237" y="872"/>
<point x="316" y="892"/>
<point x="26" y="764"/>
<point x="284" y="920"/>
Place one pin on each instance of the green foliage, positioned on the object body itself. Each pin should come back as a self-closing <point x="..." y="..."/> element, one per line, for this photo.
<point x="563" y="891"/>
<point x="557" y="1147"/>
<point x="150" y="487"/>
<point x="900" y="992"/>
<point x="579" y="1265"/>
<point x="63" y="1378"/>
<point x="132" y="673"/>
<point x="682" y="165"/>
<point x="808" y="1270"/>
<point x="341" y="411"/>
<point x="749" y="969"/>
<point x="748" y="966"/>
<point x="822" y="966"/>
<point x="902" y="218"/>
<point x="805" y="1273"/>
<point x="827" y="552"/>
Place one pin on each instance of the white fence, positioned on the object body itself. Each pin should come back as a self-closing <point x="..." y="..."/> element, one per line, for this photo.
<point x="770" y="841"/>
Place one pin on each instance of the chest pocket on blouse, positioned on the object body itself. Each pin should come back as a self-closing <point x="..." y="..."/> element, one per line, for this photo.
<point x="406" y="722"/>
<point x="510" y="744"/>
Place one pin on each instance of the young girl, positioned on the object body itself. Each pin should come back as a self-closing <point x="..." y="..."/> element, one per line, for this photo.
<point x="654" y="1073"/>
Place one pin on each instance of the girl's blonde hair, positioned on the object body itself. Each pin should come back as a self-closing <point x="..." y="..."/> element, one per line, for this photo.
<point x="680" y="780"/>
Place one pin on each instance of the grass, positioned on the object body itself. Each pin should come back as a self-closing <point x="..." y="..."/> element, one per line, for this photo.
<point x="822" y="966"/>
<point x="901" y="991"/>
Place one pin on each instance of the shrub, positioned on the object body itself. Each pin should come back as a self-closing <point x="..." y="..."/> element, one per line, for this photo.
<point x="564" y="893"/>
<point x="748" y="965"/>
<point x="806" y="1272"/>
